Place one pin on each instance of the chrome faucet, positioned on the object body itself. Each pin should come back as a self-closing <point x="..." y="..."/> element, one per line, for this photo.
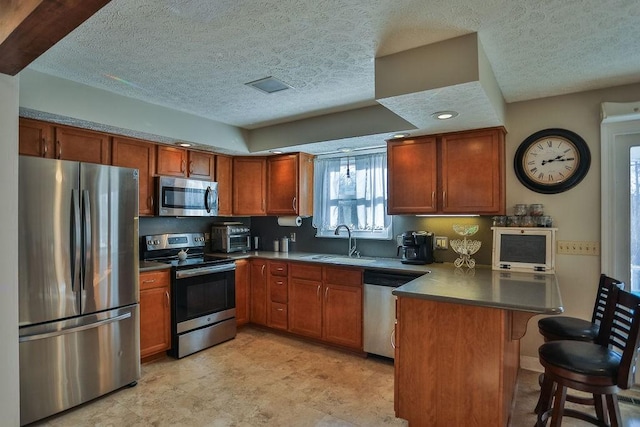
<point x="352" y="249"/>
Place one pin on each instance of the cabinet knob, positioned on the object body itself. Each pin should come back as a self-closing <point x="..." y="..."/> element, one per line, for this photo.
<point x="44" y="147"/>
<point x="59" y="145"/>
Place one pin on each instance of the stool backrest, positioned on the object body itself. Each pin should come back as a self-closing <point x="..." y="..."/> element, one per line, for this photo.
<point x="620" y="331"/>
<point x="605" y="287"/>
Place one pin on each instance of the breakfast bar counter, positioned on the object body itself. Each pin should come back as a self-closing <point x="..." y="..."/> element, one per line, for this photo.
<point x="458" y="342"/>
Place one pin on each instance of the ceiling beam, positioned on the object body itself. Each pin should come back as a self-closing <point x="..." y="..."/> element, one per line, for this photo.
<point x="28" y="28"/>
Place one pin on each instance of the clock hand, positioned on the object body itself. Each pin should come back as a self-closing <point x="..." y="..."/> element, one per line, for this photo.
<point x="566" y="160"/>
<point x="544" y="162"/>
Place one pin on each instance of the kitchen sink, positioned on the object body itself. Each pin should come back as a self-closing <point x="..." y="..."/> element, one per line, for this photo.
<point x="337" y="259"/>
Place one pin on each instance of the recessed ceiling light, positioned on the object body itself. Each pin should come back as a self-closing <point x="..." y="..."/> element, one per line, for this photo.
<point x="400" y="135"/>
<point x="346" y="150"/>
<point x="268" y="85"/>
<point x="444" y="115"/>
<point x="184" y="144"/>
<point x="276" y="151"/>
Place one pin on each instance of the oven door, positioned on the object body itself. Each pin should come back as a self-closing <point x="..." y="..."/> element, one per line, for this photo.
<point x="203" y="296"/>
<point x="187" y="197"/>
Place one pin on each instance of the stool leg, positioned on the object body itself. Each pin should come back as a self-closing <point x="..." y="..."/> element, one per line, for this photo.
<point x="558" y="405"/>
<point x="614" y="410"/>
<point x="600" y="404"/>
<point x="544" y="401"/>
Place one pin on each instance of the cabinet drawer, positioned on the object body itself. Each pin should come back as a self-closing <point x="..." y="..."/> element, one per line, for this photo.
<point x="278" y="268"/>
<point x="306" y="271"/>
<point x="278" y="316"/>
<point x="343" y="276"/>
<point x="278" y="289"/>
<point x="154" y="279"/>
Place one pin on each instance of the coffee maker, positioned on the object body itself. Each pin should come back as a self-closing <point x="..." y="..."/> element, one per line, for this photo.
<point x="417" y="247"/>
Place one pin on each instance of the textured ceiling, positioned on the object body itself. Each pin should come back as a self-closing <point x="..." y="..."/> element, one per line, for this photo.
<point x="197" y="55"/>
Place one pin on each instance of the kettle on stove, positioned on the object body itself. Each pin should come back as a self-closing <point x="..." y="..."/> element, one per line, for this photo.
<point x="417" y="247"/>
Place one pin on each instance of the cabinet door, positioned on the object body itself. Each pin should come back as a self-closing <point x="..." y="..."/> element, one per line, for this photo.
<point x="155" y="313"/>
<point x="249" y="185"/>
<point x="82" y="145"/>
<point x="259" y="291"/>
<point x="172" y="161"/>
<point x="223" y="178"/>
<point x="35" y="138"/>
<point x="242" y="291"/>
<point x="305" y="307"/>
<point x="142" y="156"/>
<point x="473" y="172"/>
<point x="342" y="307"/>
<point x="412" y="176"/>
<point x="282" y="185"/>
<point x="201" y="165"/>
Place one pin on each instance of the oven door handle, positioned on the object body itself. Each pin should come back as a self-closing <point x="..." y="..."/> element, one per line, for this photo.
<point x="201" y="271"/>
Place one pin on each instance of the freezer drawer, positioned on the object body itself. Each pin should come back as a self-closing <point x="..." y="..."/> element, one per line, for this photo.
<point x="66" y="363"/>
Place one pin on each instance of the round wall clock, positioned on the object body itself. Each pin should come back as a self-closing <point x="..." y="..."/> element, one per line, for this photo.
<point x="552" y="161"/>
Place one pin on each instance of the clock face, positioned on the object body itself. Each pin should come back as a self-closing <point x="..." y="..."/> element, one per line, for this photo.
<point x="552" y="161"/>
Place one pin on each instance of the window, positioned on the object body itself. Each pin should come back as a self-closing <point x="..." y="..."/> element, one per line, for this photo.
<point x="353" y="191"/>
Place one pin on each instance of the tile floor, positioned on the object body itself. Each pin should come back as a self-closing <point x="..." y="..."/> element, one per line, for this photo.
<point x="261" y="378"/>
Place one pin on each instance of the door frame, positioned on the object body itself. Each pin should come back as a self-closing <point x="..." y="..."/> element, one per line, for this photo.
<point x="618" y="119"/>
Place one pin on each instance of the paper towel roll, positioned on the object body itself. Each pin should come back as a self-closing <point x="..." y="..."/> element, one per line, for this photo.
<point x="289" y="221"/>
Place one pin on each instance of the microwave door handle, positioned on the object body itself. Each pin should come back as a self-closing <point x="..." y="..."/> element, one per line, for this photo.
<point x="207" y="199"/>
<point x="75" y="240"/>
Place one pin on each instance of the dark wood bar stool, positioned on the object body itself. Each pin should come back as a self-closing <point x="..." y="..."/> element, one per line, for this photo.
<point x="600" y="368"/>
<point x="571" y="328"/>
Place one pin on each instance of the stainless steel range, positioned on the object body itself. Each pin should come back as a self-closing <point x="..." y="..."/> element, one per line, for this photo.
<point x="203" y="306"/>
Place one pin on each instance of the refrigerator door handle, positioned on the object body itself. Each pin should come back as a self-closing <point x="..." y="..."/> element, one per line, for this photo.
<point x="86" y="221"/>
<point x="75" y="241"/>
<point x="75" y="329"/>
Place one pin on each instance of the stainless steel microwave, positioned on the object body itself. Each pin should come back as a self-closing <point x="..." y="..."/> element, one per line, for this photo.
<point x="186" y="197"/>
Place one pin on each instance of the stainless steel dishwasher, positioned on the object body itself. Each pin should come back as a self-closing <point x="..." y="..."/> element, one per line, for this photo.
<point x="380" y="310"/>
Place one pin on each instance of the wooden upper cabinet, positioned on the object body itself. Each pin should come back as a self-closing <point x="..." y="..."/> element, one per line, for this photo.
<point x="290" y="184"/>
<point x="249" y="185"/>
<point x="82" y="145"/>
<point x="172" y="161"/>
<point x="141" y="155"/>
<point x="412" y="173"/>
<point x="456" y="173"/>
<point x="35" y="138"/>
<point x="201" y="165"/>
<point x="224" y="168"/>
<point x="473" y="172"/>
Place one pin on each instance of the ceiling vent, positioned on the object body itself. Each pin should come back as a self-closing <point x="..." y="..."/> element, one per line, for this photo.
<point x="268" y="85"/>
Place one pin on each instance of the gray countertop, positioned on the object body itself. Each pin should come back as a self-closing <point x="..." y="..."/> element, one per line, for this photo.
<point x="482" y="286"/>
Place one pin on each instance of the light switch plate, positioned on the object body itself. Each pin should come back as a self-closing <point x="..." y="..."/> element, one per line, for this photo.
<point x="572" y="247"/>
<point x="442" y="242"/>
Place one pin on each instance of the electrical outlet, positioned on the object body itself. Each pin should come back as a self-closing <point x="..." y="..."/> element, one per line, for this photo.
<point x="571" y="247"/>
<point x="292" y="237"/>
<point x="442" y="242"/>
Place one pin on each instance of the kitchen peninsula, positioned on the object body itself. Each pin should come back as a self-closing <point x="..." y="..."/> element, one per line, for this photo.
<point x="458" y="343"/>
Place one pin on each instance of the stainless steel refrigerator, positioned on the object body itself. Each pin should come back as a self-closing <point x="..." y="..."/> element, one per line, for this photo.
<point x="78" y="283"/>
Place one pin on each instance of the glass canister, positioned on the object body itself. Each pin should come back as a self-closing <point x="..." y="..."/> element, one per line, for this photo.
<point x="545" y="221"/>
<point x="499" y="221"/>
<point x="528" y="221"/>
<point x="513" y="221"/>
<point x="536" y="209"/>
<point x="520" y="210"/>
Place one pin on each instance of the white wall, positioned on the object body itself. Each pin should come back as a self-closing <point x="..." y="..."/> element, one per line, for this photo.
<point x="576" y="213"/>
<point x="9" y="386"/>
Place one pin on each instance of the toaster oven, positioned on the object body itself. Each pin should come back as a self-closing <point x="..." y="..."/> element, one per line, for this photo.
<point x="230" y="237"/>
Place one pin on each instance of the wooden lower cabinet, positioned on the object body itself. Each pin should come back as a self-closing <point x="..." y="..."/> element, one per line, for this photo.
<point x="278" y="295"/>
<point x="243" y="283"/>
<point x="258" y="298"/>
<point x="155" y="313"/>
<point x="305" y="307"/>
<point x="326" y="303"/>
<point x="342" y="307"/>
<point x="455" y="364"/>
